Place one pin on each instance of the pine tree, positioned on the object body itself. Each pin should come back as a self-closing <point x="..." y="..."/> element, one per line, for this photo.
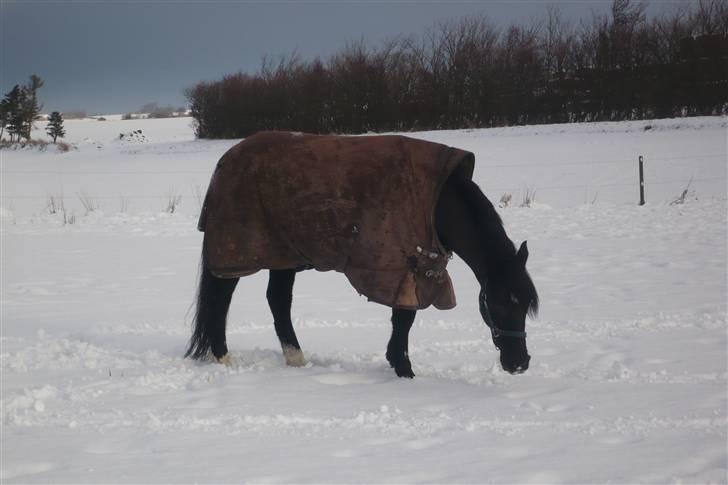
<point x="29" y="106"/>
<point x="55" y="126"/>
<point x="4" y="117"/>
<point x="20" y="108"/>
<point x="13" y="119"/>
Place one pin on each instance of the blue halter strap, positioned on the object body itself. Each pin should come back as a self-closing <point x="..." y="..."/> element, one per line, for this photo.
<point x="495" y="331"/>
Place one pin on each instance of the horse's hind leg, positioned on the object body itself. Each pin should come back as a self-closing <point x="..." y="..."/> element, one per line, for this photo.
<point x="397" y="349"/>
<point x="280" y="298"/>
<point x="213" y="302"/>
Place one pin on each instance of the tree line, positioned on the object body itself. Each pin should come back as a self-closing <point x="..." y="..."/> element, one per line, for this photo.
<point x="469" y="73"/>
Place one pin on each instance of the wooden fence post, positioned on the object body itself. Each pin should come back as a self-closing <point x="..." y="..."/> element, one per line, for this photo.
<point x="642" y="182"/>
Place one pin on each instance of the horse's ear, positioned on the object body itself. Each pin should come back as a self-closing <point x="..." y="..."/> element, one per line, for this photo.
<point x="522" y="254"/>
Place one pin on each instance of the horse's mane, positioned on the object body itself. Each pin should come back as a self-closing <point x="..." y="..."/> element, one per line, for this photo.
<point x="501" y="253"/>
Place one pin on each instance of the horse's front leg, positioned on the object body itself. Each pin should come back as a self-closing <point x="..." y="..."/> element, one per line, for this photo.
<point x="280" y="298"/>
<point x="397" y="349"/>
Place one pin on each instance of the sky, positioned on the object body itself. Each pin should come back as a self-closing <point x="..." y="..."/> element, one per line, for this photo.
<point x="105" y="57"/>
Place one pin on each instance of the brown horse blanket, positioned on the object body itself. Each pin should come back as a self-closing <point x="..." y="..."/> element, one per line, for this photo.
<point x="360" y="205"/>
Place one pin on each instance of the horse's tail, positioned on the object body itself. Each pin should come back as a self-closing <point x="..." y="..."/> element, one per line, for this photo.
<point x="213" y="300"/>
<point x="199" y="346"/>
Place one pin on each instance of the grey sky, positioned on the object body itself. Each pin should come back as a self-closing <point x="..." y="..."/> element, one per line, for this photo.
<point x="113" y="56"/>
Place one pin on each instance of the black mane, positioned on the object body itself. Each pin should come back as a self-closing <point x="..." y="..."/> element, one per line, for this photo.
<point x="503" y="268"/>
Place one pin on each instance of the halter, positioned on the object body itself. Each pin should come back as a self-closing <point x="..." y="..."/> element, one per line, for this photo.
<point x="495" y="331"/>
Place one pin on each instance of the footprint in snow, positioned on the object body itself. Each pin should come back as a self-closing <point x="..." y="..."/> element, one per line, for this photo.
<point x="347" y="379"/>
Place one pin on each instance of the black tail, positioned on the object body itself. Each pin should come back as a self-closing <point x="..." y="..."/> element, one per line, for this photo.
<point x="213" y="300"/>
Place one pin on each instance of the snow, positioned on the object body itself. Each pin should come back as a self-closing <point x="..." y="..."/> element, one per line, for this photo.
<point x="628" y="379"/>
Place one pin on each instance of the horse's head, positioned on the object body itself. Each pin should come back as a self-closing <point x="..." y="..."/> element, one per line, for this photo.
<point x="505" y="299"/>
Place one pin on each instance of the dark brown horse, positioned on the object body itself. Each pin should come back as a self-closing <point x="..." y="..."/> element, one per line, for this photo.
<point x="387" y="211"/>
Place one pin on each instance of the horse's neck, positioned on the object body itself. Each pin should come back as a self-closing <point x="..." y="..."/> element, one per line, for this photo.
<point x="468" y="224"/>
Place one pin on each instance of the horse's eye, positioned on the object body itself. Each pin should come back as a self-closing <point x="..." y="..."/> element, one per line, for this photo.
<point x="514" y="299"/>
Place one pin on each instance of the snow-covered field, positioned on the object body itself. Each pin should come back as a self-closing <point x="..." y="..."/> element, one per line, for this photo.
<point x="628" y="378"/>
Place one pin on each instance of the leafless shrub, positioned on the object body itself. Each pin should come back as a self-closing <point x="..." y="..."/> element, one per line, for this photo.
<point x="505" y="200"/>
<point x="173" y="202"/>
<point x="529" y="197"/>
<point x="41" y="145"/>
<point x="74" y="115"/>
<point x="55" y="204"/>
<point x="163" y="112"/>
<point x="686" y="194"/>
<point x="470" y="73"/>
<point x="88" y="202"/>
<point x="153" y="110"/>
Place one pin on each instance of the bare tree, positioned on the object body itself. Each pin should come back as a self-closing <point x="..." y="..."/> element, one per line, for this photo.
<point x="467" y="73"/>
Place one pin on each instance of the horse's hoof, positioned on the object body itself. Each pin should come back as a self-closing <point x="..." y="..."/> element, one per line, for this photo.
<point x="405" y="372"/>
<point x="225" y="360"/>
<point x="402" y="366"/>
<point x="294" y="357"/>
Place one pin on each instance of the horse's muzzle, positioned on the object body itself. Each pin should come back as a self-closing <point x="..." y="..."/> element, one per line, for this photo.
<point x="515" y="367"/>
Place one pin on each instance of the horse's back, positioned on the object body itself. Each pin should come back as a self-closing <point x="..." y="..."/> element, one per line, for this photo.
<point x="360" y="205"/>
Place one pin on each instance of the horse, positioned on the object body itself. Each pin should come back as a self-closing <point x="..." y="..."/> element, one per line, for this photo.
<point x="288" y="202"/>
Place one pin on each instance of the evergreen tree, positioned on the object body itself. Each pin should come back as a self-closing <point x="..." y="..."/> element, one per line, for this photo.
<point x="13" y="119"/>
<point x="30" y="107"/>
<point x="4" y="117"/>
<point x="20" y="108"/>
<point x="55" y="126"/>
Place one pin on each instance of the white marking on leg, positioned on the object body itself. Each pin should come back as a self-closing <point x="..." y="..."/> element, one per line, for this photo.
<point x="225" y="360"/>
<point x="294" y="357"/>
